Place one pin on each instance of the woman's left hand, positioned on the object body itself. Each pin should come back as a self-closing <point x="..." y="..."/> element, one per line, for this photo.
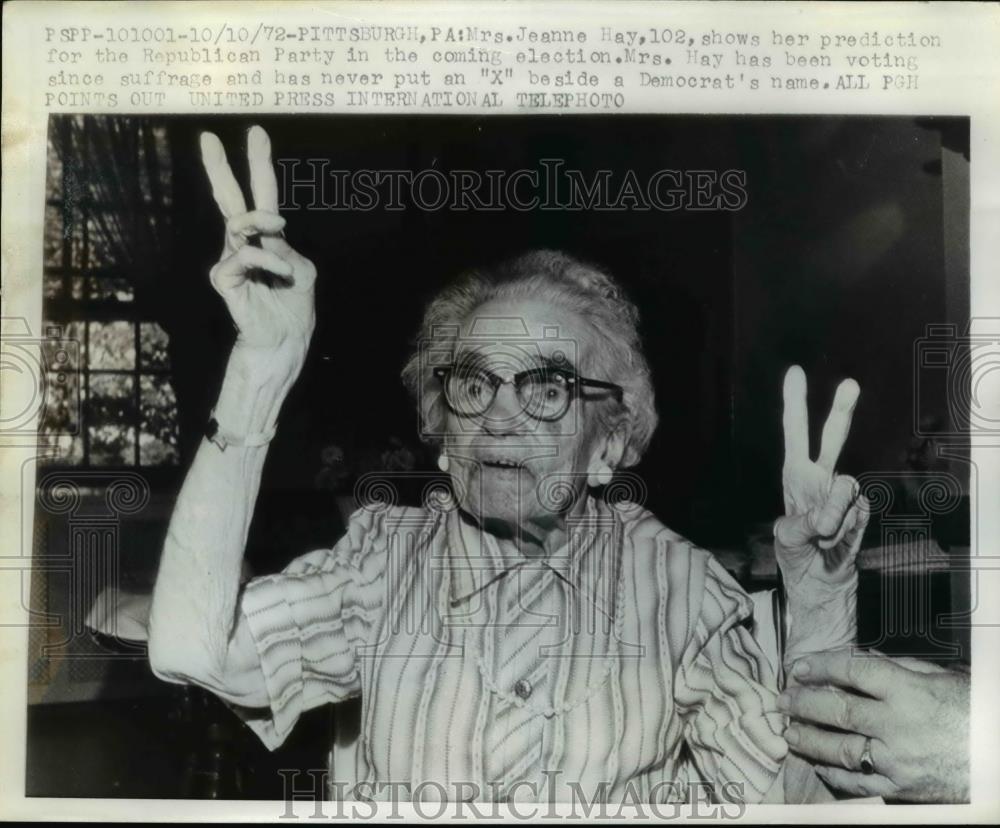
<point x="817" y="542"/>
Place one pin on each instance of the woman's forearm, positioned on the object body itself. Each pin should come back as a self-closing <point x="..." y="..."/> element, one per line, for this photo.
<point x="822" y="618"/>
<point x="194" y="611"/>
<point x="797" y="784"/>
<point x="197" y="586"/>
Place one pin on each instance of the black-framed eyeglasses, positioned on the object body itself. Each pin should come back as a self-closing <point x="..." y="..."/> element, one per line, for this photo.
<point x="544" y="393"/>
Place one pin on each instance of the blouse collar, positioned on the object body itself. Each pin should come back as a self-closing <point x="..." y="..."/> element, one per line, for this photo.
<point x="585" y="561"/>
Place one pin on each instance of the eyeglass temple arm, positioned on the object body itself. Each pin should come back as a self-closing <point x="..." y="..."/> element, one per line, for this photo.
<point x="441" y="371"/>
<point x="610" y="386"/>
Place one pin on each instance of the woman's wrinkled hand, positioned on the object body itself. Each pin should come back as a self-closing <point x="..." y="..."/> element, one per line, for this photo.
<point x="268" y="290"/>
<point x="817" y="541"/>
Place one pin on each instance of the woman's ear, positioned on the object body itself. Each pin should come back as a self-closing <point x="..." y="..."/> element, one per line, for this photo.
<point x="607" y="456"/>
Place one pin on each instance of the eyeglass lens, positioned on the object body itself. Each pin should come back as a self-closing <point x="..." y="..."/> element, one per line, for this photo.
<point x="541" y="394"/>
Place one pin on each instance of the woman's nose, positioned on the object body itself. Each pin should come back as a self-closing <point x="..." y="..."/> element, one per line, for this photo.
<point x="505" y="412"/>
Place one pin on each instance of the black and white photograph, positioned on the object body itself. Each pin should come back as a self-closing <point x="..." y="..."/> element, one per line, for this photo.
<point x="592" y="459"/>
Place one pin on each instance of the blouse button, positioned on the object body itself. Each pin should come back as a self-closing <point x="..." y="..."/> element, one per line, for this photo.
<point x="522" y="688"/>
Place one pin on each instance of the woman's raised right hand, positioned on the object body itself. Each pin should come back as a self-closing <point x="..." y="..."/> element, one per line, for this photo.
<point x="269" y="290"/>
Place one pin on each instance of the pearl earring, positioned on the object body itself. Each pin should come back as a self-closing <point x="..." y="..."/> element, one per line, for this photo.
<point x="443" y="462"/>
<point x="604" y="475"/>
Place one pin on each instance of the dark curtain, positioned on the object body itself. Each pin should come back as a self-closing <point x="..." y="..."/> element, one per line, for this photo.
<point x="117" y="170"/>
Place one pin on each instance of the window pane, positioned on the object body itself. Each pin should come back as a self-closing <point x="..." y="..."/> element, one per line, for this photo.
<point x="164" y="163"/>
<point x="61" y="414"/>
<point x="53" y="237"/>
<point x="52" y="286"/>
<point x="101" y="250"/>
<point x="53" y="178"/>
<point x="63" y="346"/>
<point x="111" y="287"/>
<point x="142" y="170"/>
<point x="112" y="345"/>
<point x="111" y="419"/>
<point x="158" y="435"/>
<point x="61" y="450"/>
<point x="153" y="341"/>
<point x="70" y="449"/>
<point x="72" y="226"/>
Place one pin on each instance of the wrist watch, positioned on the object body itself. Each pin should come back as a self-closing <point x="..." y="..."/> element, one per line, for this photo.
<point x="216" y="434"/>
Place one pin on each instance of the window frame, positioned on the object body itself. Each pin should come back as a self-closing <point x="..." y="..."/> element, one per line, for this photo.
<point x="63" y="310"/>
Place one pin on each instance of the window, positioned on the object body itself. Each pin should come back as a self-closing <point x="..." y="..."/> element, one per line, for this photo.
<point x="109" y="397"/>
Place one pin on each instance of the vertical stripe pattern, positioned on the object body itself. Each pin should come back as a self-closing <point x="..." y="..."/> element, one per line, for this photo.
<point x="624" y="662"/>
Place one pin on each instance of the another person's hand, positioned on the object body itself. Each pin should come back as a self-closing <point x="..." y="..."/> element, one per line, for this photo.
<point x="915" y="714"/>
<point x="817" y="542"/>
<point x="269" y="290"/>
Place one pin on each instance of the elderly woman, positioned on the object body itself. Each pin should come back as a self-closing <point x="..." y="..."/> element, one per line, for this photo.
<point x="524" y="637"/>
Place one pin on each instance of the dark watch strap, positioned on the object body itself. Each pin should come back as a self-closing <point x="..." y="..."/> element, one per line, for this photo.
<point x="214" y="433"/>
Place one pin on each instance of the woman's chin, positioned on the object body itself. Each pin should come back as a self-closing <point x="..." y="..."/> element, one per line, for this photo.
<point x="497" y="510"/>
<point x="499" y="506"/>
<point x="510" y="498"/>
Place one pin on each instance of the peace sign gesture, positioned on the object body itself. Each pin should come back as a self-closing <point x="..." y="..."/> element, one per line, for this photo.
<point x="269" y="290"/>
<point x="817" y="541"/>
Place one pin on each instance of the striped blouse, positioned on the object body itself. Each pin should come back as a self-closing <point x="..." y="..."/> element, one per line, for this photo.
<point x="623" y="661"/>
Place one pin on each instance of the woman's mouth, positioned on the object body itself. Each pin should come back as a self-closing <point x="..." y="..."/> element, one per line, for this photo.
<point x="501" y="463"/>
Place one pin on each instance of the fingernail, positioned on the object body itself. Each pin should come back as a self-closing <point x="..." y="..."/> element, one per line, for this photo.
<point x="792" y="736"/>
<point x="800" y="669"/>
<point x="784" y="701"/>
